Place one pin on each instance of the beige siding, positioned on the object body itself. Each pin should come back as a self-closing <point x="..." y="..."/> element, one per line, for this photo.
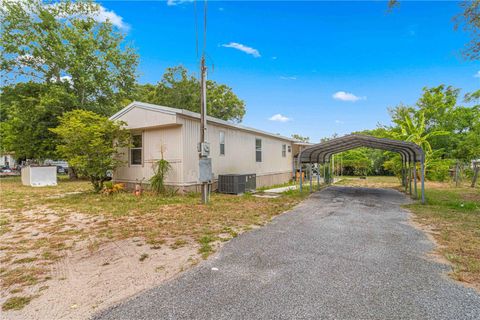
<point x="138" y="118"/>
<point x="239" y="152"/>
<point x="154" y="140"/>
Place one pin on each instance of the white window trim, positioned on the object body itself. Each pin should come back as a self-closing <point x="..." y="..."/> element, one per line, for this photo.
<point x="220" y="143"/>
<point x="261" y="150"/>
<point x="130" y="151"/>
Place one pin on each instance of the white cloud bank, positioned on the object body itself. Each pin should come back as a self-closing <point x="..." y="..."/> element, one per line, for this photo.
<point x="288" y="78"/>
<point x="279" y="118"/>
<point x="477" y="75"/>
<point x="248" y="50"/>
<point x="346" y="96"/>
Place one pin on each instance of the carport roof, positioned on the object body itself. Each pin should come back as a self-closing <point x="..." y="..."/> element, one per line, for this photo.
<point x="321" y="152"/>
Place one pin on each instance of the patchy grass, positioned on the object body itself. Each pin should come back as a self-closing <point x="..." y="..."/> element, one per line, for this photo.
<point x="143" y="257"/>
<point x="451" y="215"/>
<point x="370" y="182"/>
<point x="205" y="247"/>
<point x="16" y="303"/>
<point x="38" y="226"/>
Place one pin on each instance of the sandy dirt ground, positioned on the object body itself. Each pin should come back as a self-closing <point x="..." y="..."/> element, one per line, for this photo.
<point x="83" y="282"/>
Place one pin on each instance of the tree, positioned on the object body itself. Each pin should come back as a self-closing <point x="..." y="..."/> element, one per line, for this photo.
<point x="27" y="112"/>
<point x="179" y="89"/>
<point x="91" y="144"/>
<point x="63" y="42"/>
<point x="470" y="20"/>
<point x="300" y="138"/>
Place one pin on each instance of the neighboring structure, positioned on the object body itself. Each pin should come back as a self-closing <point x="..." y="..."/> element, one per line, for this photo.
<point x="7" y="160"/>
<point x="174" y="134"/>
<point x="39" y="176"/>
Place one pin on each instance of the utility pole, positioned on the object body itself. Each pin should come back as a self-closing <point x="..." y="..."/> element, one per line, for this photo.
<point x="204" y="147"/>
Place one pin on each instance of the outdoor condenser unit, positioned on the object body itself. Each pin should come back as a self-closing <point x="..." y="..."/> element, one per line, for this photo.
<point x="236" y="183"/>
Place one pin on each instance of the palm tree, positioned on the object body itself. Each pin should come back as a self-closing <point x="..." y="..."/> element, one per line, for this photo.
<point x="412" y="128"/>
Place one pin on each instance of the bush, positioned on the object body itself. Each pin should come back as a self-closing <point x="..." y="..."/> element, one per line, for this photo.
<point x="439" y="170"/>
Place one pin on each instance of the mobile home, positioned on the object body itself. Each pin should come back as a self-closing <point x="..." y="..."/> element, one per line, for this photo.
<point x="173" y="134"/>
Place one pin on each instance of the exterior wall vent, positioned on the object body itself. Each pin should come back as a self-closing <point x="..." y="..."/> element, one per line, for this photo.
<point x="236" y="183"/>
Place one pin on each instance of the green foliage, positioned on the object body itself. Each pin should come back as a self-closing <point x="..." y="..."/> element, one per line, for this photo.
<point x="440" y="169"/>
<point x="441" y="127"/>
<point x="91" y="143"/>
<point x="300" y="137"/>
<point x="162" y="167"/>
<point x="62" y="42"/>
<point x="27" y="111"/>
<point x="179" y="89"/>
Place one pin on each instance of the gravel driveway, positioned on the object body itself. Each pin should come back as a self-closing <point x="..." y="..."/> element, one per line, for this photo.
<point x="344" y="253"/>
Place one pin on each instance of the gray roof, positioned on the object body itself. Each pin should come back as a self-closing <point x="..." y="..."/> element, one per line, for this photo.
<point x="321" y="152"/>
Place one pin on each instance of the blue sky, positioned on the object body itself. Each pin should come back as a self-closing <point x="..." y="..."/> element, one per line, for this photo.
<point x="320" y="67"/>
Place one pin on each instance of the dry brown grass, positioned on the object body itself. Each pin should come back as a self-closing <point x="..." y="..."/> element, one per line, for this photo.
<point x="39" y="226"/>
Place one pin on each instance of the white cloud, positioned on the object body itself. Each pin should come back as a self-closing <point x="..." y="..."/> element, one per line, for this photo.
<point x="177" y="2"/>
<point x="274" y="58"/>
<point x="288" y="78"/>
<point x="477" y="75"/>
<point x="347" y="96"/>
<point x="243" y="48"/>
<point x="279" y="118"/>
<point x="339" y="122"/>
<point x="103" y="15"/>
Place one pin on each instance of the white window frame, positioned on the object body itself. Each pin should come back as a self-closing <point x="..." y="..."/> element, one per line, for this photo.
<point x="284" y="150"/>
<point x="136" y="148"/>
<point x="221" y="138"/>
<point x="258" y="149"/>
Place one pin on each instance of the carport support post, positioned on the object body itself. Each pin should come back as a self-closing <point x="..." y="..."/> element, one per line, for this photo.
<point x="318" y="176"/>
<point x="422" y="176"/>
<point x="310" y="176"/>
<point x="415" y="193"/>
<point x="300" y="175"/>
<point x="410" y="178"/>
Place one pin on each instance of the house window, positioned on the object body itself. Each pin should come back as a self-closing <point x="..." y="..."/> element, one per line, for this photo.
<point x="289" y="149"/>
<point x="258" y="150"/>
<point x="136" y="149"/>
<point x="284" y="150"/>
<point x="222" y="143"/>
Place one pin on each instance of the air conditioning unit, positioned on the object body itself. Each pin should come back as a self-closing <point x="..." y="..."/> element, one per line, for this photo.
<point x="236" y="183"/>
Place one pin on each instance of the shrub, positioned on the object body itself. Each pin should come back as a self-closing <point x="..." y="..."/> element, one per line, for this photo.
<point x="157" y="181"/>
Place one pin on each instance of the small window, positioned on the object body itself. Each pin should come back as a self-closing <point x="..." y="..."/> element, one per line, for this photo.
<point x="284" y="150"/>
<point x="289" y="149"/>
<point x="222" y="143"/>
<point x="258" y="150"/>
<point x="136" y="149"/>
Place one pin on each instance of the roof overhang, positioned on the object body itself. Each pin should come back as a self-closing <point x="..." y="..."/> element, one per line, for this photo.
<point x="321" y="152"/>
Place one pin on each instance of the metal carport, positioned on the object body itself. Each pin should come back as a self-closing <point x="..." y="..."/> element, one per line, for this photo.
<point x="410" y="153"/>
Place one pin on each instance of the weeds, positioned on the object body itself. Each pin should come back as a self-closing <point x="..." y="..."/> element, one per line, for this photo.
<point x="16" y="303"/>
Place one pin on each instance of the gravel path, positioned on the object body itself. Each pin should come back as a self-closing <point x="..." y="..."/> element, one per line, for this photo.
<point x="344" y="253"/>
